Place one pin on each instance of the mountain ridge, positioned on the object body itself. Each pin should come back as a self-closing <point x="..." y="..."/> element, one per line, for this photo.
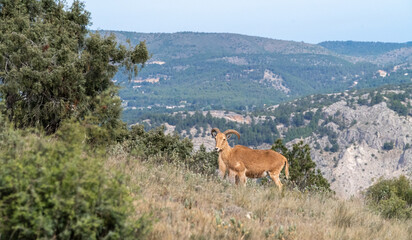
<point x="227" y="71"/>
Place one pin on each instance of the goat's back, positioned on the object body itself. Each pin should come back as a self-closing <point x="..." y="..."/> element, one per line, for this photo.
<point x="258" y="160"/>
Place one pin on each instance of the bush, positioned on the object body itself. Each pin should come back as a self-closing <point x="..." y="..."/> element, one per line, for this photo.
<point x="156" y="142"/>
<point x="334" y="148"/>
<point x="392" y="198"/>
<point x="398" y="107"/>
<point x="52" y="188"/>
<point x="388" y="146"/>
<point x="303" y="173"/>
<point x="203" y="162"/>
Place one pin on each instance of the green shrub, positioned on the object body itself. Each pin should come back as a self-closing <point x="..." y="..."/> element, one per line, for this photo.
<point x="398" y="107"/>
<point x="388" y="146"/>
<point x="51" y="188"/>
<point x="156" y="142"/>
<point x="392" y="198"/>
<point x="394" y="207"/>
<point x="302" y="170"/>
<point x="203" y="162"/>
<point x="334" y="148"/>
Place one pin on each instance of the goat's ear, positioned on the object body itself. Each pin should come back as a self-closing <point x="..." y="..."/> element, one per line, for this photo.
<point x="214" y="134"/>
<point x="228" y="136"/>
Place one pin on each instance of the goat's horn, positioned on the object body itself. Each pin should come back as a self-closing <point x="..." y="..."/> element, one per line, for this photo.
<point x="215" y="130"/>
<point x="231" y="131"/>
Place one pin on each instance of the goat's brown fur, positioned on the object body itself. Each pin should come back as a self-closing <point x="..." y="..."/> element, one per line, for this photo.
<point x="245" y="162"/>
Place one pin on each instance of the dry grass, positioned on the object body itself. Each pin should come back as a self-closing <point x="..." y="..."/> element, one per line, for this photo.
<point x="191" y="206"/>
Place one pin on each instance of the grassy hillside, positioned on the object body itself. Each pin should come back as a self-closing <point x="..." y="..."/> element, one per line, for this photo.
<point x="194" y="206"/>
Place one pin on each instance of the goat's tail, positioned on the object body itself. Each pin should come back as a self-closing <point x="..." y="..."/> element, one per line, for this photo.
<point x="286" y="168"/>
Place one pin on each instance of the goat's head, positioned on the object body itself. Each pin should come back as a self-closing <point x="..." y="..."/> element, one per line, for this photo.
<point x="221" y="138"/>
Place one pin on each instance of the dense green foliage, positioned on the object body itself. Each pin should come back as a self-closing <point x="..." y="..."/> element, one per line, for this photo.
<point x="392" y="197"/>
<point x="203" y="162"/>
<point x="302" y="172"/>
<point x="53" y="68"/>
<point x="156" y="145"/>
<point x="156" y="142"/>
<point x="54" y="187"/>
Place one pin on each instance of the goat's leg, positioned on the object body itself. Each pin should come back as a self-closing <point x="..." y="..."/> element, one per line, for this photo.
<point x="275" y="178"/>
<point x="222" y="168"/>
<point x="242" y="177"/>
<point x="233" y="176"/>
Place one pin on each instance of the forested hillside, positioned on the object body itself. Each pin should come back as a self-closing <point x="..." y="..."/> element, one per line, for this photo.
<point x="296" y="119"/>
<point x="359" y="49"/>
<point x="205" y="71"/>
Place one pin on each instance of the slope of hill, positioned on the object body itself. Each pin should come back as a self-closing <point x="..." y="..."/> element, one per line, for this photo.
<point x="353" y="48"/>
<point x="194" y="206"/>
<point x="231" y="71"/>
<point x="375" y="52"/>
<point x="167" y="46"/>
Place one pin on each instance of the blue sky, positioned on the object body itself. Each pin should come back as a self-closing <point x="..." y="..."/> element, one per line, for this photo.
<point x="310" y="21"/>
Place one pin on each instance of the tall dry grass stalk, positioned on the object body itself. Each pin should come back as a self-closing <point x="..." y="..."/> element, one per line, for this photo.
<point x="192" y="206"/>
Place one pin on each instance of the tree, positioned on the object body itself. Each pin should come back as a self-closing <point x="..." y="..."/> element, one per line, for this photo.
<point x="53" y="68"/>
<point x="298" y="120"/>
<point x="388" y="146"/>
<point x="302" y="171"/>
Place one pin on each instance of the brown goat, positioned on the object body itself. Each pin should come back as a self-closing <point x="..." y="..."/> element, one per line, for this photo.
<point x="244" y="162"/>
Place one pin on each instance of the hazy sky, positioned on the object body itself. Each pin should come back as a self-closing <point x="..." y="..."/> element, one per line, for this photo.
<point x="310" y="21"/>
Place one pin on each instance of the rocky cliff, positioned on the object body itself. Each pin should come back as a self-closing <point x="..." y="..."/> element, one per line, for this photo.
<point x="376" y="144"/>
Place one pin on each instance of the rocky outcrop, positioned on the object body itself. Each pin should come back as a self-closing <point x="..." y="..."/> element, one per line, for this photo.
<point x="274" y="80"/>
<point x="362" y="158"/>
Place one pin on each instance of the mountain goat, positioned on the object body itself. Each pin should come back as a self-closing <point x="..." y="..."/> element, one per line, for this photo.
<point x="244" y="162"/>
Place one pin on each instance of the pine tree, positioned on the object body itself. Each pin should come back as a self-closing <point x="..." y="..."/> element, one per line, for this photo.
<point x="53" y="68"/>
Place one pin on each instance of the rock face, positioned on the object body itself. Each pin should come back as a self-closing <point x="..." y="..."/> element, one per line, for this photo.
<point x="362" y="158"/>
<point x="275" y="81"/>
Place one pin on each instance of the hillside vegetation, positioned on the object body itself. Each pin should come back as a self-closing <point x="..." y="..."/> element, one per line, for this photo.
<point x="195" y="206"/>
<point x="291" y="120"/>
<point x="359" y="49"/>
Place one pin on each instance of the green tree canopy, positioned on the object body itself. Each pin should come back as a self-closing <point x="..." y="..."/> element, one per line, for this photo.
<point x="53" y="68"/>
